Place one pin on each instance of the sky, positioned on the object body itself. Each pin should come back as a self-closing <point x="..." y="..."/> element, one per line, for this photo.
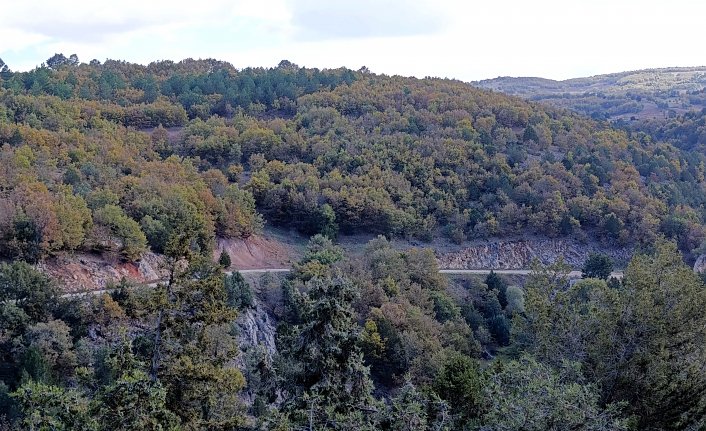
<point x="462" y="39"/>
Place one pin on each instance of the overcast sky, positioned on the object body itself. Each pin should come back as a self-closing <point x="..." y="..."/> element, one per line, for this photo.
<point x="463" y="39"/>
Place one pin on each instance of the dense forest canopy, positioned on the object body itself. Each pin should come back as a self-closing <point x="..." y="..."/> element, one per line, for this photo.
<point x="117" y="158"/>
<point x="381" y="341"/>
<point x="128" y="152"/>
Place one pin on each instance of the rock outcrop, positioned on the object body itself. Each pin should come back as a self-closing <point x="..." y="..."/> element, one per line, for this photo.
<point x="256" y="328"/>
<point x="519" y="254"/>
<point x="83" y="271"/>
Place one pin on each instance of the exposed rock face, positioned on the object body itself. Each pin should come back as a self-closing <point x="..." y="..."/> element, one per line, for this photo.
<point x="257" y="328"/>
<point x="83" y="271"/>
<point x="256" y="341"/>
<point x="700" y="264"/>
<point x="520" y="254"/>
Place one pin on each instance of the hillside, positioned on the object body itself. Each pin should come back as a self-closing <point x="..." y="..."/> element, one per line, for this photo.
<point x="119" y="170"/>
<point x="634" y="95"/>
<point x="117" y="158"/>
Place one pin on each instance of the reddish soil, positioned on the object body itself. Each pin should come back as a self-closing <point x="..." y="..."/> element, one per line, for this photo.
<point x="256" y="252"/>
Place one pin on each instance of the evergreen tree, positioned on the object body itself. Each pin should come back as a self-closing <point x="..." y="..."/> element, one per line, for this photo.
<point x="224" y="260"/>
<point x="238" y="291"/>
<point x="459" y="383"/>
<point x="328" y="386"/>
<point x="45" y="407"/>
<point x="597" y="265"/>
<point x="197" y="348"/>
<point x="527" y="395"/>
<point x="496" y="283"/>
<point x="408" y="410"/>
<point x="134" y="402"/>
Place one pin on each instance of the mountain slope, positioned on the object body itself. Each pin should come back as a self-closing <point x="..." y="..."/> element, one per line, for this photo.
<point x="83" y="166"/>
<point x="641" y="94"/>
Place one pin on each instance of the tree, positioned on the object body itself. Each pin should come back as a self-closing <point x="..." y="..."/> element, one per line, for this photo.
<point x="528" y="395"/>
<point x="459" y="383"/>
<point x="5" y="72"/>
<point x="58" y="60"/>
<point x="23" y="241"/>
<point x="52" y="341"/>
<point x="238" y="291"/>
<point x="74" y="219"/>
<point x="661" y="324"/>
<point x="194" y="347"/>
<point x="224" y="260"/>
<point x="408" y="409"/>
<point x="33" y="292"/>
<point x="322" y="362"/>
<point x="326" y="222"/>
<point x="134" y="402"/>
<point x="321" y="253"/>
<point x="640" y="344"/>
<point x="598" y="265"/>
<point x="496" y="283"/>
<point x="239" y="219"/>
<point x="45" y="407"/>
<point x="177" y="227"/>
<point x="515" y="300"/>
<point x="123" y="229"/>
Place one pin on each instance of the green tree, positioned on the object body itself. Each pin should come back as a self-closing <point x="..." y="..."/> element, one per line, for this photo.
<point x="640" y="343"/>
<point x="33" y="292"/>
<point x="459" y="383"/>
<point x="51" y="408"/>
<point x="321" y="253"/>
<point x="321" y="359"/>
<point x="52" y="340"/>
<point x="123" y="229"/>
<point x="224" y="260"/>
<point x="194" y="347"/>
<point x="408" y="409"/>
<point x="134" y="402"/>
<point x="238" y="219"/>
<point x="496" y="283"/>
<point x="527" y="395"/>
<point x="23" y="241"/>
<point x="238" y="291"/>
<point x="74" y="219"/>
<point x="597" y="265"/>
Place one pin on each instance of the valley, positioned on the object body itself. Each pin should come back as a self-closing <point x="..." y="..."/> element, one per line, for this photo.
<point x="193" y="246"/>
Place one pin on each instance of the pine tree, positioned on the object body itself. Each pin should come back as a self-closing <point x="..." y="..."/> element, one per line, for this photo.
<point x="224" y="260"/>
<point x="197" y="348"/>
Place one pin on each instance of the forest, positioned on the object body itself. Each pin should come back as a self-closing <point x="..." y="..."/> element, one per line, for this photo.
<point x="117" y="159"/>
<point x="376" y="342"/>
<point x="625" y="96"/>
<point x="111" y="157"/>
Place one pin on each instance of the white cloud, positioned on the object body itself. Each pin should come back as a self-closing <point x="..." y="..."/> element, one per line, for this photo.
<point x="326" y="19"/>
<point x="454" y="38"/>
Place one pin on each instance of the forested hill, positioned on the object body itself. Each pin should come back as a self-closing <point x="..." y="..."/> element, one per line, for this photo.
<point x="119" y="157"/>
<point x="629" y="96"/>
